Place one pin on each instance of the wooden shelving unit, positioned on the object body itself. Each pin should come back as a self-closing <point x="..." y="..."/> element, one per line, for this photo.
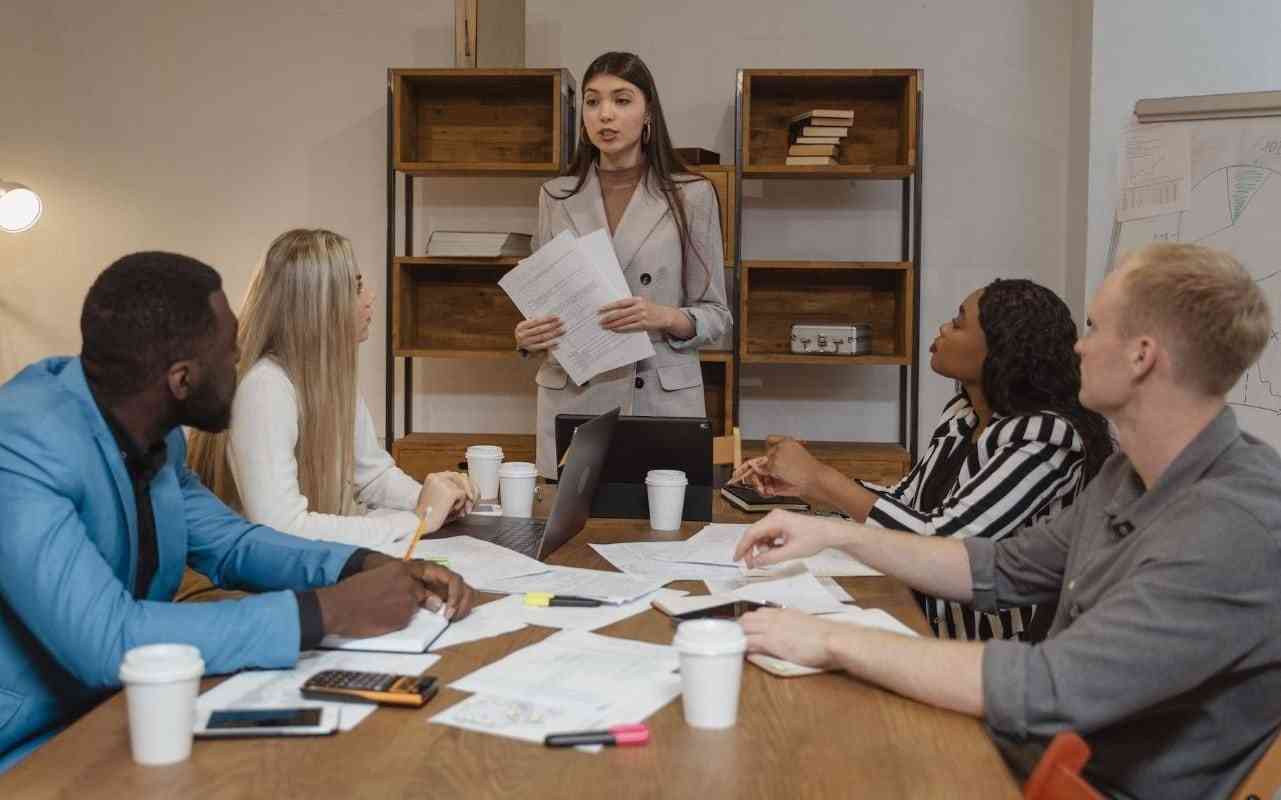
<point x="883" y="143"/>
<point x="495" y="123"/>
<point x="451" y="122"/>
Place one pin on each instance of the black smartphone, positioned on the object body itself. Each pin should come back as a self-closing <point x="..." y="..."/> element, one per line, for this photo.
<point x="732" y="610"/>
<point x="310" y="721"/>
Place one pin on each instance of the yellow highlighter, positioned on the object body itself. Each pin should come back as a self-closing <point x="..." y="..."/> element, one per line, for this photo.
<point x="546" y="599"/>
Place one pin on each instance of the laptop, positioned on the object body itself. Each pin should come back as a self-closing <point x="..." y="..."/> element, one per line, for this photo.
<point x="641" y="444"/>
<point x="570" y="508"/>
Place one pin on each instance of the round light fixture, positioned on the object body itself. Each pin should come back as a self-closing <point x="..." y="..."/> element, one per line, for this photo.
<point x="20" y="207"/>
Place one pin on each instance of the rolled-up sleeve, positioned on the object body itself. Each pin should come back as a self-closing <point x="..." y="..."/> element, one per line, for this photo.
<point x="1165" y="617"/>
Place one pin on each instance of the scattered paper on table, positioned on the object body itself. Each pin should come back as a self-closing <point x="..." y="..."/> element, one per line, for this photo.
<point x="572" y="680"/>
<point x="802" y="592"/>
<point x="280" y="688"/>
<point x="608" y="587"/>
<point x="641" y="560"/>
<point x="484" y="622"/>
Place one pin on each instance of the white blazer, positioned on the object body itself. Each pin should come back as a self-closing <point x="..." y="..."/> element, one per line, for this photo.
<point x="648" y="247"/>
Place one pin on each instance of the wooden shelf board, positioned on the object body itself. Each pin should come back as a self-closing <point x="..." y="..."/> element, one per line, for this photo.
<point x="836" y="172"/>
<point x="816" y="265"/>
<point x="411" y="352"/>
<point x="715" y="356"/>
<point x="457" y="261"/>
<point x="794" y="358"/>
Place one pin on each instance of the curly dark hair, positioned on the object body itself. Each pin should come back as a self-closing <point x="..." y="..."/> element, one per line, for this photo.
<point x="1030" y="364"/>
<point x="143" y="313"/>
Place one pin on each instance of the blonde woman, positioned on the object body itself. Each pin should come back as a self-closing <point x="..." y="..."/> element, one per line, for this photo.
<point x="301" y="454"/>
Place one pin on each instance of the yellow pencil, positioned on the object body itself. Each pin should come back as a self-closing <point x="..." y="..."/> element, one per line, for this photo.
<point x="418" y="534"/>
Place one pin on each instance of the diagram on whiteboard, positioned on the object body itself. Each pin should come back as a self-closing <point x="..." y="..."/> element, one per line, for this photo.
<point x="1234" y="205"/>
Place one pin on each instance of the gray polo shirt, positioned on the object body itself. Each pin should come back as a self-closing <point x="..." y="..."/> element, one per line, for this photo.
<point x="1165" y="653"/>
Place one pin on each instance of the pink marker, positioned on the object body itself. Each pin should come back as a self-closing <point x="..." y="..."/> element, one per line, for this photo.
<point x="621" y="735"/>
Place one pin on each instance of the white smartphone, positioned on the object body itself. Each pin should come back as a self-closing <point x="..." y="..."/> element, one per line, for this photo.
<point x="303" y="721"/>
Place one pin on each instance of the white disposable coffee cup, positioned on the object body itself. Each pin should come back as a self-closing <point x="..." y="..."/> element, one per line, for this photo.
<point x="482" y="465"/>
<point x="666" y="490"/>
<point x="161" y="682"/>
<point x="711" y="659"/>
<point x="516" y="480"/>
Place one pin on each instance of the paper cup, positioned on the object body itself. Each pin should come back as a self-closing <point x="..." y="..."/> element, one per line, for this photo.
<point x="516" y="483"/>
<point x="711" y="659"/>
<point x="161" y="682"/>
<point x="482" y="465"/>
<point x="666" y="490"/>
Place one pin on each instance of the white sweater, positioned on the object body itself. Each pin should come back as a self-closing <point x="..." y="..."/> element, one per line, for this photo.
<point x="260" y="452"/>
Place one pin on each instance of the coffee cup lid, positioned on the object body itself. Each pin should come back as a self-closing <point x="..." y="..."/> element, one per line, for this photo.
<point x="710" y="637"/>
<point x="161" y="663"/>
<point x="517" y="469"/>
<point x="485" y="451"/>
<point x="666" y="477"/>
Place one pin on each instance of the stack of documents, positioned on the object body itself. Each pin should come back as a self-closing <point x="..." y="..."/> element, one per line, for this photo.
<point x="650" y="560"/>
<point x="572" y="278"/>
<point x="568" y="682"/>
<point x="478" y="244"/>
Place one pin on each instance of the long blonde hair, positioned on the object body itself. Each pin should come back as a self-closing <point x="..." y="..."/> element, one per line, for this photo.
<point x="300" y="311"/>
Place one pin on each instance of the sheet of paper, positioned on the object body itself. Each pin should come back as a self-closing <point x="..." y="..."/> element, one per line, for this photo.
<point x="802" y="592"/>
<point x="871" y="617"/>
<point x="1155" y="171"/>
<point x="640" y="559"/>
<point x="609" y="587"/>
<point x="796" y="567"/>
<point x="488" y="620"/>
<point x="280" y="688"/>
<point x="715" y="545"/>
<point x="579" y="668"/>
<point x="476" y="560"/>
<point x="579" y="619"/>
<point x="520" y="719"/>
<point x="572" y="279"/>
<point x="415" y="637"/>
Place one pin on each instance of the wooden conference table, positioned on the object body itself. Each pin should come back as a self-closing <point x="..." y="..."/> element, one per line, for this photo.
<point x="821" y="736"/>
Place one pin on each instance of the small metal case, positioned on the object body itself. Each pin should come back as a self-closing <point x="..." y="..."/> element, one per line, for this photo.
<point x="836" y="339"/>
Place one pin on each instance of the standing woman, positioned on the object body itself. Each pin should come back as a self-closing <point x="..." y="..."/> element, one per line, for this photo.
<point x="665" y="226"/>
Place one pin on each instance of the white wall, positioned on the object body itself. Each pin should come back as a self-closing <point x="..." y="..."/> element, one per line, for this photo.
<point x="1165" y="48"/>
<point x="210" y="127"/>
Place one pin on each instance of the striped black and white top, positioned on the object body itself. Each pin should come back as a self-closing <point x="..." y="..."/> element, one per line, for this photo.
<point x="1022" y="468"/>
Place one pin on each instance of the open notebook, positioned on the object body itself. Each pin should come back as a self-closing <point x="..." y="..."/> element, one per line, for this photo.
<point x="415" y="637"/>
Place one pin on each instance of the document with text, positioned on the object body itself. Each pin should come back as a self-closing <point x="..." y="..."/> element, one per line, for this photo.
<point x="572" y="278"/>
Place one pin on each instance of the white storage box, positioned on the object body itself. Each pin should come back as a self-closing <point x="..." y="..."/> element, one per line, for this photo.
<point x="837" y="339"/>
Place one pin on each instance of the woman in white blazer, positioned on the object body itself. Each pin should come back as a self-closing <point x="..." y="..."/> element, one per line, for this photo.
<point x="665" y="227"/>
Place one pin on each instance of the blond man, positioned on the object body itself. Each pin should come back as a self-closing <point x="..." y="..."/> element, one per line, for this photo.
<point x="1164" y="652"/>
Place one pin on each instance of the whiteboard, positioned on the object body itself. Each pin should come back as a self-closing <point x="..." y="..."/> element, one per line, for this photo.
<point x="1234" y="205"/>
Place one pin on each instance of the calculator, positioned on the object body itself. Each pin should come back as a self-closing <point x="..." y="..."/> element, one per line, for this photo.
<point x="373" y="687"/>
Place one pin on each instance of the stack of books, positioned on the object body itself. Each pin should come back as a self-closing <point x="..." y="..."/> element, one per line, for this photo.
<point x="478" y="244"/>
<point x="815" y="136"/>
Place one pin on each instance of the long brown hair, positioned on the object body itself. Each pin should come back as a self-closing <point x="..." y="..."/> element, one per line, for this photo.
<point x="664" y="163"/>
